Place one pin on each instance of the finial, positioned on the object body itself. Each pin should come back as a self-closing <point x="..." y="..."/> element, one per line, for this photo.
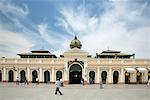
<point x="75" y="37"/>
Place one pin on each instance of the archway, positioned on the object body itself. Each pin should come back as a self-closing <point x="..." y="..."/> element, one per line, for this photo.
<point x="34" y="76"/>
<point x="46" y="76"/>
<point x="22" y="76"/>
<point x="92" y="77"/>
<point x="127" y="77"/>
<point x="75" y="74"/>
<point x="58" y="75"/>
<point x="104" y="77"/>
<point x="10" y="76"/>
<point x="115" y="77"/>
<point x="139" y="77"/>
<point x="0" y="75"/>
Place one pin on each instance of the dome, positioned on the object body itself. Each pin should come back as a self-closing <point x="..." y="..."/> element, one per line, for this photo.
<point x="75" y="43"/>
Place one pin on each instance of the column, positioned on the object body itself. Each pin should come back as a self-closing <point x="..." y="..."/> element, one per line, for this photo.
<point x="53" y="74"/>
<point x="4" y="74"/>
<point x="16" y="73"/>
<point x="145" y="76"/>
<point x="85" y="71"/>
<point x="65" y="72"/>
<point x="28" y="74"/>
<point x="122" y="78"/>
<point x="40" y="72"/>
<point x="110" y="76"/>
<point x="98" y="75"/>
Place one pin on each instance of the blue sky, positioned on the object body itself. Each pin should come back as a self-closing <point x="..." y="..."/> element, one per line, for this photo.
<point x="122" y="25"/>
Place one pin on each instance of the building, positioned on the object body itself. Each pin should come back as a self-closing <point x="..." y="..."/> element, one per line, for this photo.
<point x="109" y="67"/>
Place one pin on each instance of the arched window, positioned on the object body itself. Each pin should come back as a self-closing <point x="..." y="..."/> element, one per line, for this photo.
<point x="58" y="74"/>
<point x="34" y="76"/>
<point x="104" y="77"/>
<point x="22" y="76"/>
<point x="115" y="77"/>
<point x="92" y="77"/>
<point x="10" y="76"/>
<point x="46" y="76"/>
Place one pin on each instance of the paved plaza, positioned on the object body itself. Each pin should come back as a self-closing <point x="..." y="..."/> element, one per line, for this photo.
<point x="11" y="91"/>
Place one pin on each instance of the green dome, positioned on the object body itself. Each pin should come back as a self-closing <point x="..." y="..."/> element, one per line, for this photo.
<point x="75" y="43"/>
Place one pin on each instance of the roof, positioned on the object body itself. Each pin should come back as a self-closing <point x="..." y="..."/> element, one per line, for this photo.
<point x="111" y="51"/>
<point x="40" y="51"/>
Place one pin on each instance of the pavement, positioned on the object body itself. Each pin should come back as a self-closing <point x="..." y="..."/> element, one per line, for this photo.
<point x="11" y="91"/>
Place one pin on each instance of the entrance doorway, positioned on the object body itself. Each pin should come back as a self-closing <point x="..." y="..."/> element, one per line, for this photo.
<point x="115" y="77"/>
<point x="46" y="76"/>
<point x="104" y="77"/>
<point x="127" y="77"/>
<point x="75" y="74"/>
<point x="10" y="76"/>
<point x="34" y="76"/>
<point x="92" y="77"/>
<point x="22" y="76"/>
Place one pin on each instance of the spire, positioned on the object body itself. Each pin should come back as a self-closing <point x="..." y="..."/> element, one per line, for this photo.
<point x="75" y="37"/>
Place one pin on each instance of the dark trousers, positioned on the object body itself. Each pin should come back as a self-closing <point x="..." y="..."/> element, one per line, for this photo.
<point x="57" y="90"/>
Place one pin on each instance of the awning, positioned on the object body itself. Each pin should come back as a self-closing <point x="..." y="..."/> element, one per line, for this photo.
<point x="141" y="69"/>
<point x="130" y="69"/>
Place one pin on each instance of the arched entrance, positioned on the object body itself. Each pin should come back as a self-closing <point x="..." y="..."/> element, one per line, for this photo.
<point x="104" y="77"/>
<point x="46" y="76"/>
<point x="58" y="75"/>
<point x="139" y="77"/>
<point x="10" y="76"/>
<point x="22" y="76"/>
<point x="115" y="77"/>
<point x="92" y="77"/>
<point x="0" y="75"/>
<point x="34" y="76"/>
<point x="127" y="77"/>
<point x="75" y="74"/>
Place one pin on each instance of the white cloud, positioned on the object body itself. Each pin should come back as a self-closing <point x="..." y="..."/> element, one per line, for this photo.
<point x="12" y="43"/>
<point x="112" y="29"/>
<point x="8" y="7"/>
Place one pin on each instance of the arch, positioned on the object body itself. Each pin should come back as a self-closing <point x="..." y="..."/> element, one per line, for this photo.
<point x="22" y="76"/>
<point x="104" y="77"/>
<point x="127" y="77"/>
<point x="75" y="74"/>
<point x="46" y="76"/>
<point x="34" y="76"/>
<point x="59" y="74"/>
<point x="10" y="76"/>
<point x="115" y="77"/>
<point x="0" y="75"/>
<point x="139" y="77"/>
<point x="92" y="77"/>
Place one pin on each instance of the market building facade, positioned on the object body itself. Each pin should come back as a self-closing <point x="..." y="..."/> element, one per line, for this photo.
<point x="109" y="67"/>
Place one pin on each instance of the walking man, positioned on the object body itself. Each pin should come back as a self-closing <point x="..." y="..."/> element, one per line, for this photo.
<point x="58" y="84"/>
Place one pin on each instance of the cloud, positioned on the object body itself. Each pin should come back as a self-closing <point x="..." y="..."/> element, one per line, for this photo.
<point x="120" y="27"/>
<point x="12" y="43"/>
<point x="14" y="10"/>
<point x="52" y="37"/>
<point x="13" y="32"/>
